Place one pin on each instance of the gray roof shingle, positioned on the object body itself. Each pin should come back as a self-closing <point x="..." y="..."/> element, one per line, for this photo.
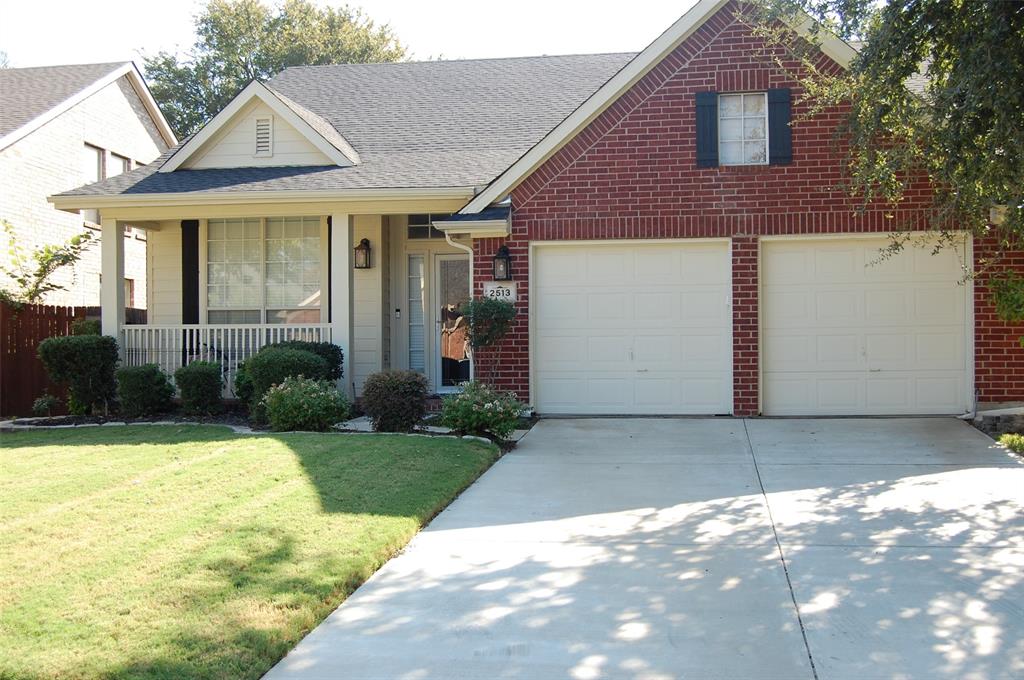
<point x="27" y="93"/>
<point x="414" y="124"/>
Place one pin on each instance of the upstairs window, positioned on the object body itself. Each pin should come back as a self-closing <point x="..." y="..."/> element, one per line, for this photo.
<point x="93" y="170"/>
<point x="264" y="136"/>
<point x="118" y="165"/>
<point x="743" y="129"/>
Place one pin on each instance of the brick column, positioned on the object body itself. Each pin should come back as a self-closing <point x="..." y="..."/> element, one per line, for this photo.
<point x="745" y="365"/>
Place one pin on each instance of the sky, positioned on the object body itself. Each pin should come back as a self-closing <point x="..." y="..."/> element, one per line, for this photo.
<point x="48" y="32"/>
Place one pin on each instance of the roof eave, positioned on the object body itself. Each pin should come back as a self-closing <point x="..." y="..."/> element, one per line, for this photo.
<point x="75" y="202"/>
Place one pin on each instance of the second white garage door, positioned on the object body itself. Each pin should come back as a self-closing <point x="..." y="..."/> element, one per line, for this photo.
<point x="632" y="329"/>
<point x="844" y="336"/>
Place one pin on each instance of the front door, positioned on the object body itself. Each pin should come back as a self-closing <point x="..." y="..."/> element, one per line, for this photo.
<point x="452" y="293"/>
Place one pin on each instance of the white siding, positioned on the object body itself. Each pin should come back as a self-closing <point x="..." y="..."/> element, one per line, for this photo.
<point x="165" y="274"/>
<point x="235" y="145"/>
<point x="49" y="161"/>
<point x="367" y="297"/>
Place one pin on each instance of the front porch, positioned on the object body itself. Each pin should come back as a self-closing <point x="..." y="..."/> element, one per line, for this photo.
<point x="222" y="287"/>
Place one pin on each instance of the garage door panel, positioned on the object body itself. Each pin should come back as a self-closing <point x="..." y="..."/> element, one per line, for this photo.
<point x="883" y="337"/>
<point x="656" y="342"/>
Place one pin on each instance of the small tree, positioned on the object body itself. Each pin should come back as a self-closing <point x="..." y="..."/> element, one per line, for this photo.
<point x="489" y="322"/>
<point x="31" y="272"/>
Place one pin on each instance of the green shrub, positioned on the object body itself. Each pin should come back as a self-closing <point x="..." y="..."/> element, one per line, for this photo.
<point x="45" y="404"/>
<point x="1014" y="442"/>
<point x="143" y="390"/>
<point x="85" y="327"/>
<point x="304" y="404"/>
<point x="328" y="351"/>
<point x="480" y="409"/>
<point x="395" y="401"/>
<point x="85" y="363"/>
<point x="243" y="383"/>
<point x="271" y="365"/>
<point x="200" y="384"/>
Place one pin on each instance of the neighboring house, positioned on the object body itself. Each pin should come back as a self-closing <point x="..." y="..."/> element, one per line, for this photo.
<point x="61" y="126"/>
<point x="673" y="235"/>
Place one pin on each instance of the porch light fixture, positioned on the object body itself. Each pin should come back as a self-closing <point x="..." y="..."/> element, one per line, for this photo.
<point x="362" y="255"/>
<point x="502" y="265"/>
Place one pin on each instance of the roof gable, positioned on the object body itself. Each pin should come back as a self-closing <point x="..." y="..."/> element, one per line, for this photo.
<point x="34" y="96"/>
<point x="300" y="137"/>
<point x="614" y="88"/>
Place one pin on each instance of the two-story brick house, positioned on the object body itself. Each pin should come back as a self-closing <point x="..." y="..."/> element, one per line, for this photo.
<point x="667" y="223"/>
<point x="60" y="127"/>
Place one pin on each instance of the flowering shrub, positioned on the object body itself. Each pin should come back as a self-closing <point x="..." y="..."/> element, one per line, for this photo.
<point x="299" y="403"/>
<point x="480" y="409"/>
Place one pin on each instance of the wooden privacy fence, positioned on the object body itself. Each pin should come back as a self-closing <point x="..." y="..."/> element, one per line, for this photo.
<point x="22" y="377"/>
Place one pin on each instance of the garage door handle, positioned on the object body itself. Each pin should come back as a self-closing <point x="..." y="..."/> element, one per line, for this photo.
<point x="874" y="370"/>
<point x="642" y="370"/>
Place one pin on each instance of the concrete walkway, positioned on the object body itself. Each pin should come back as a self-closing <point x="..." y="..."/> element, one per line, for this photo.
<point x="706" y="549"/>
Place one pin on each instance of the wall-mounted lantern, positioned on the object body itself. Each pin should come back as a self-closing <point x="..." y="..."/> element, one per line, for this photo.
<point x="362" y="255"/>
<point x="502" y="265"/>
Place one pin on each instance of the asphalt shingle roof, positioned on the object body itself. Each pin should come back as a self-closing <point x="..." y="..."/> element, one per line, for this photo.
<point x="27" y="93"/>
<point x="414" y="124"/>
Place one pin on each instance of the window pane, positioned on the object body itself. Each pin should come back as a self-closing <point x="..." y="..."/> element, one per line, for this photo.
<point x="731" y="153"/>
<point x="730" y="104"/>
<point x="293" y="316"/>
<point x="753" y="152"/>
<point x="293" y="267"/>
<point x="731" y="130"/>
<point x="753" y="104"/>
<point x="753" y="128"/>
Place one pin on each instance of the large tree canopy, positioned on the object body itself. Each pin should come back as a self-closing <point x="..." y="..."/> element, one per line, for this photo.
<point x="238" y="41"/>
<point x="936" y="92"/>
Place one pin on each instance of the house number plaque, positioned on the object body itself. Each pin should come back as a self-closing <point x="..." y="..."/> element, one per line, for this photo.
<point x="500" y="290"/>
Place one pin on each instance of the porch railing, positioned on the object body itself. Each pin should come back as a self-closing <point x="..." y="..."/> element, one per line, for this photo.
<point x="173" y="346"/>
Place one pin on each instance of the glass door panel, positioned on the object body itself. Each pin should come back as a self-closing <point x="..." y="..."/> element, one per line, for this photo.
<point x="453" y="340"/>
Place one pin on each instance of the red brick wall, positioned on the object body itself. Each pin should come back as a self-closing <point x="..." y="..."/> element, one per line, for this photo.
<point x="998" y="356"/>
<point x="632" y="173"/>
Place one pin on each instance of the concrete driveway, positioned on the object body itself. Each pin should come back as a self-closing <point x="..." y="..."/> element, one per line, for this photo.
<point x="706" y="548"/>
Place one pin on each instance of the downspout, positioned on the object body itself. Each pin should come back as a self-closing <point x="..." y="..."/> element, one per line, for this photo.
<point x="468" y="249"/>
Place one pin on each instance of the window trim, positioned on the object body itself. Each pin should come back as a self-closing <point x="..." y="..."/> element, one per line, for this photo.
<point x="742" y="118"/>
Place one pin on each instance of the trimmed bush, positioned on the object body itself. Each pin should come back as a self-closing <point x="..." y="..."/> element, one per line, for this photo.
<point x="271" y="365"/>
<point x="85" y="363"/>
<point x="480" y="409"/>
<point x="395" y="401"/>
<point x="243" y="383"/>
<point x="200" y="384"/>
<point x="143" y="390"/>
<point x="328" y="351"/>
<point x="85" y="327"/>
<point x="303" y="404"/>
<point x="45" y="404"/>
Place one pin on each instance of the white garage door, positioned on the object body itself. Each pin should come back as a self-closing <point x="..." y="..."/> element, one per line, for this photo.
<point x="844" y="336"/>
<point x="632" y="329"/>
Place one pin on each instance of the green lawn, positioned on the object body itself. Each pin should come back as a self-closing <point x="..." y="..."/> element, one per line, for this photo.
<point x="191" y="552"/>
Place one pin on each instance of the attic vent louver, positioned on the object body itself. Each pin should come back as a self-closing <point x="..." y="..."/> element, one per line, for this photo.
<point x="264" y="136"/>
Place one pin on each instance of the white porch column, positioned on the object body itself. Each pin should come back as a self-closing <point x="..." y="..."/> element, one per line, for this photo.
<point x="341" y="292"/>
<point x="112" y="285"/>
